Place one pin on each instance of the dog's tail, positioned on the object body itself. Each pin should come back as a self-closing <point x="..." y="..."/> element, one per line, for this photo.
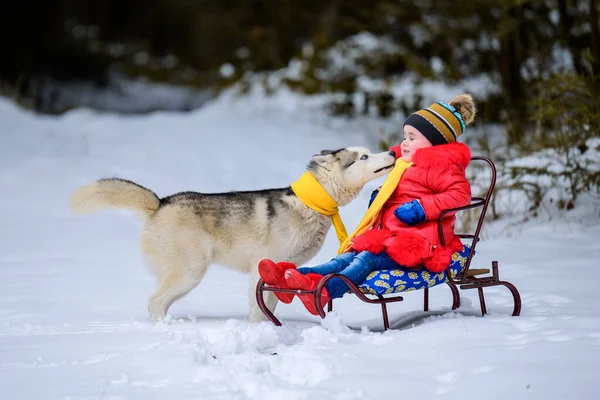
<point x="114" y="193"/>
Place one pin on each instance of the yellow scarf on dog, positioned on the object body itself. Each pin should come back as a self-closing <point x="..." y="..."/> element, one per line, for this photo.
<point x="313" y="194"/>
<point x="388" y="187"/>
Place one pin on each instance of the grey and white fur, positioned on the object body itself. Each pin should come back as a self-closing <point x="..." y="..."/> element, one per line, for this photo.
<point x="184" y="233"/>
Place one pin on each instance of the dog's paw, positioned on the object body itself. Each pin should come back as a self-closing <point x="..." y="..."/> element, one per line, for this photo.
<point x="159" y="318"/>
<point x="157" y="313"/>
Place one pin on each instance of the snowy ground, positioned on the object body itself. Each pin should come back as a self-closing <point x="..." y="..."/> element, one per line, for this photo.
<point x="73" y="290"/>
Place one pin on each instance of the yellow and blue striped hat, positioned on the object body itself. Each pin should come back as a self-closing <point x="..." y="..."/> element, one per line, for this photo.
<point x="443" y="123"/>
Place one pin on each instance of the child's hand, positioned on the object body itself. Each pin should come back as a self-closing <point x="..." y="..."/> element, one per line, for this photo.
<point x="410" y="213"/>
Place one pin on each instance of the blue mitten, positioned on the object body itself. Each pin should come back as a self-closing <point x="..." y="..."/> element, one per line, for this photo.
<point x="410" y="213"/>
<point x="373" y="195"/>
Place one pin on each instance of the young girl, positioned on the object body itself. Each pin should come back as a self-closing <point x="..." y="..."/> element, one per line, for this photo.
<point x="403" y="232"/>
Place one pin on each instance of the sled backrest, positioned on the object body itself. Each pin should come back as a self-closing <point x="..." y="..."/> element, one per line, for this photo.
<point x="476" y="202"/>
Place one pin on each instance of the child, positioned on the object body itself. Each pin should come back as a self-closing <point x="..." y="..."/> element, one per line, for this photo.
<point x="403" y="230"/>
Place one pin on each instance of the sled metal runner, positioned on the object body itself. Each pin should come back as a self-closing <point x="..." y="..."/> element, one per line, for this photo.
<point x="464" y="280"/>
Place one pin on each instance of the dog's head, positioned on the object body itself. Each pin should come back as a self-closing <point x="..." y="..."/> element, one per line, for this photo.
<point x="344" y="172"/>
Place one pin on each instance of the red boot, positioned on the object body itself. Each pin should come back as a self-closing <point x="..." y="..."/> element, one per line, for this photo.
<point x="296" y="280"/>
<point x="272" y="274"/>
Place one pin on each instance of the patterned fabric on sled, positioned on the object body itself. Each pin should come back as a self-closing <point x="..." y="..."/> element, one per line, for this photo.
<point x="409" y="279"/>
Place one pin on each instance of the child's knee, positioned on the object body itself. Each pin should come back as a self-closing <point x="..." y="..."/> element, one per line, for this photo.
<point x="366" y="257"/>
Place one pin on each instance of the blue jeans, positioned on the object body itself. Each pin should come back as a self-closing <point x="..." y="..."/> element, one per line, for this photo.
<point x="355" y="266"/>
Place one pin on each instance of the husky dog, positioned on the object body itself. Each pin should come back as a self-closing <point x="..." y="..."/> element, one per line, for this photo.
<point x="183" y="234"/>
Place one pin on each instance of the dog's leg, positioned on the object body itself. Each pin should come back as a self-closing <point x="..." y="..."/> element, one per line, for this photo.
<point x="173" y="286"/>
<point x="255" y="314"/>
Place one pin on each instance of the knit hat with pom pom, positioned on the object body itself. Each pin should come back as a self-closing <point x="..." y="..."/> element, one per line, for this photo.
<point x="443" y="123"/>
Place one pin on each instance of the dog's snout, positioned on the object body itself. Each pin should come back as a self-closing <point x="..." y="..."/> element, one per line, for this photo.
<point x="392" y="153"/>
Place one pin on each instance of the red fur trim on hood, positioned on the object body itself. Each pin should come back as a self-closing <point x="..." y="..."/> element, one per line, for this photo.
<point x="443" y="155"/>
<point x="372" y="240"/>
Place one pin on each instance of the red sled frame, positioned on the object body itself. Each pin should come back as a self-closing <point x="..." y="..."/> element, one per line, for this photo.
<point x="464" y="281"/>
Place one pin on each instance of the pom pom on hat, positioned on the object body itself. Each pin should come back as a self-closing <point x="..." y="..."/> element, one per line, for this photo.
<point x="465" y="106"/>
<point x="443" y="123"/>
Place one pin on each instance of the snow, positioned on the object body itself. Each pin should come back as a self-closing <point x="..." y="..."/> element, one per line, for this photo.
<point x="73" y="290"/>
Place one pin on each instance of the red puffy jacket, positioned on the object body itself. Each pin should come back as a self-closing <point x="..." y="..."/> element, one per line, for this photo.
<point x="437" y="179"/>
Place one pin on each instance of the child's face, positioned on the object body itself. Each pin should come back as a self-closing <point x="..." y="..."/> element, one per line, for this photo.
<point x="413" y="141"/>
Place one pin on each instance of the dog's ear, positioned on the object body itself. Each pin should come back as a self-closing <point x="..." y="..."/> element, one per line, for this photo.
<point x="327" y="152"/>
<point x="325" y="159"/>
